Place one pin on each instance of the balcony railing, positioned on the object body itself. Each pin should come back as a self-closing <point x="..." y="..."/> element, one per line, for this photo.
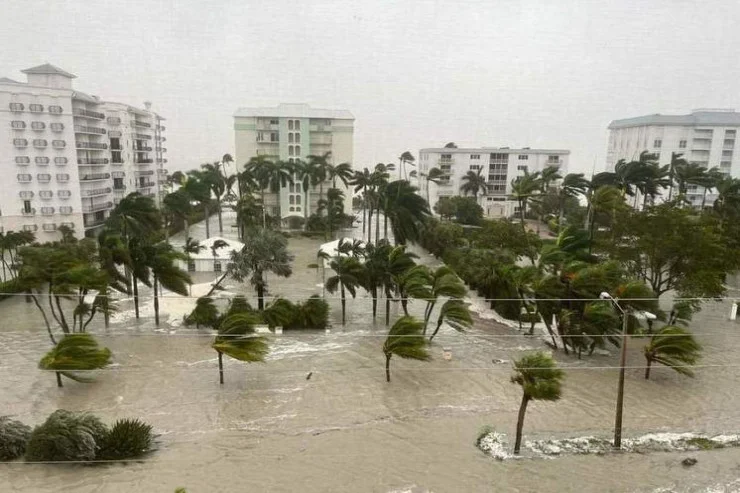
<point x="119" y="189"/>
<point x="145" y="184"/>
<point x="92" y="161"/>
<point x="65" y="209"/>
<point x="89" y="114"/>
<point x="143" y="161"/>
<point x="95" y="192"/>
<point x="137" y="123"/>
<point x="114" y="120"/>
<point x="94" y="176"/>
<point x="28" y="212"/>
<point x="142" y="148"/>
<point x="119" y="147"/>
<point x="24" y="178"/>
<point x="145" y="173"/>
<point x="82" y="129"/>
<point x="96" y="207"/>
<point x="91" y="145"/>
<point x="142" y="136"/>
<point x="91" y="223"/>
<point x="49" y="227"/>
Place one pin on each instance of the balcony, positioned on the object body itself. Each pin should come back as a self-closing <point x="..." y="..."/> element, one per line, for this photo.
<point x="114" y="120"/>
<point x="88" y="114"/>
<point x="148" y="172"/>
<point x="95" y="192"/>
<point x="119" y="147"/>
<point x="142" y="136"/>
<point x="60" y="160"/>
<point x="91" y="145"/>
<point x="96" y="207"/>
<point x="49" y="227"/>
<point x="92" y="161"/>
<point x="143" y="161"/>
<point x="18" y="125"/>
<point x="24" y="178"/>
<point x="142" y="148"/>
<point x="318" y="128"/>
<point x="62" y="177"/>
<point x="92" y="223"/>
<point x="43" y="177"/>
<point x="94" y="176"/>
<point x="47" y="211"/>
<point x="65" y="210"/>
<point x="145" y="184"/>
<point x="137" y="123"/>
<point x="20" y="143"/>
<point x="28" y="212"/>
<point x="82" y="129"/>
<point x="119" y="189"/>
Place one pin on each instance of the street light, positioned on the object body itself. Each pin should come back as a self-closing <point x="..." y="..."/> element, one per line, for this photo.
<point x="622" y="362"/>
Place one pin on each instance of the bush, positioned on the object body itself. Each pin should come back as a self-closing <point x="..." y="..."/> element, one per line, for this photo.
<point x="66" y="436"/>
<point x="295" y="222"/>
<point x="14" y="436"/>
<point x="311" y="314"/>
<point x="128" y="438"/>
<point x="314" y="313"/>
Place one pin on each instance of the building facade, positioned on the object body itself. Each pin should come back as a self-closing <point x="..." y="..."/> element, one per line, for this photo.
<point x="71" y="156"/>
<point x="705" y="136"/>
<point x="498" y="165"/>
<point x="290" y="132"/>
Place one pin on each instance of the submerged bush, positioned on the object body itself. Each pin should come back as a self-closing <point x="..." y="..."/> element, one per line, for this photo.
<point x="313" y="314"/>
<point x="128" y="438"/>
<point x="66" y="436"/>
<point x="14" y="436"/>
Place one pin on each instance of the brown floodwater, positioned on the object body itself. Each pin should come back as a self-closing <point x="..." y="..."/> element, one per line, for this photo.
<point x="269" y="428"/>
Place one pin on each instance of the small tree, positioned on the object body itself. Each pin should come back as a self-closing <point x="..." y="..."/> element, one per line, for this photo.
<point x="75" y="352"/>
<point x="673" y="347"/>
<point x="540" y="379"/>
<point x="405" y="340"/>
<point x="236" y="338"/>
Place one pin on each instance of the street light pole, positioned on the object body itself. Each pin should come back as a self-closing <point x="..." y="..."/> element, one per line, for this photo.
<point x="620" y="385"/>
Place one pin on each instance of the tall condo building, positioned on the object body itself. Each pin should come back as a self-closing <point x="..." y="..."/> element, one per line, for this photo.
<point x="499" y="165"/>
<point x="71" y="156"/>
<point x="289" y="132"/>
<point x="705" y="136"/>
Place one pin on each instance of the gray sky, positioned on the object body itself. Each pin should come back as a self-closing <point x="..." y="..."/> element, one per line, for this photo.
<point x="549" y="73"/>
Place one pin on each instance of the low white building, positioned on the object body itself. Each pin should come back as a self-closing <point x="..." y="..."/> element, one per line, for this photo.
<point x="211" y="259"/>
<point x="499" y="165"/>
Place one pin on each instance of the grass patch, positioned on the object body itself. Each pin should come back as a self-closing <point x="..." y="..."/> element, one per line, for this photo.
<point x="703" y="443"/>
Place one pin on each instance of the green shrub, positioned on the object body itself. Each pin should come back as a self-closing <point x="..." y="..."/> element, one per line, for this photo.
<point x="128" y="438"/>
<point x="66" y="436"/>
<point x="314" y="313"/>
<point x="280" y="313"/>
<point x="14" y="436"/>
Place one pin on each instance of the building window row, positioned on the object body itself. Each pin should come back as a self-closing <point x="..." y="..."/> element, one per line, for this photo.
<point x="294" y="137"/>
<point x="35" y="108"/>
<point x="474" y="156"/>
<point x="523" y="157"/>
<point x="294" y="150"/>
<point x="294" y="124"/>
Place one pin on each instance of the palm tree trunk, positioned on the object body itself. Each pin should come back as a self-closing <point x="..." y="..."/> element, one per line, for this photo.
<point x="220" y="220"/>
<point x="156" y="302"/>
<point x="343" y="301"/>
<point x="364" y="217"/>
<point x="187" y="228"/>
<point x="647" y="368"/>
<point x="388" y="366"/>
<point x="208" y="229"/>
<point x="220" y="368"/>
<point x="704" y="199"/>
<point x="260" y="297"/>
<point x="387" y="309"/>
<point x="428" y="314"/>
<point x="522" y="205"/>
<point x="520" y="424"/>
<point x="59" y="380"/>
<point x="435" y="331"/>
<point x="375" y="302"/>
<point x="405" y="304"/>
<point x="370" y="225"/>
<point x="136" y="297"/>
<point x="377" y="224"/>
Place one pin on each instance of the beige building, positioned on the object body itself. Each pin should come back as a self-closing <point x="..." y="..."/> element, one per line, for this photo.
<point x="71" y="156"/>
<point x="289" y="132"/>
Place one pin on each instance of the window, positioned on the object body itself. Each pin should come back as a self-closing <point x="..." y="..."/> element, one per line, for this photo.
<point x="19" y="125"/>
<point x="16" y="106"/>
<point x="65" y="209"/>
<point x="20" y="142"/>
<point x="216" y="266"/>
<point x="523" y="157"/>
<point x="729" y="143"/>
<point x="502" y="157"/>
<point x="27" y="206"/>
<point x="260" y="136"/>
<point x="292" y="199"/>
<point x="22" y="160"/>
<point x="62" y="177"/>
<point x="43" y="177"/>
<point x="290" y="138"/>
<point x="118" y="184"/>
<point x="191" y="266"/>
<point x="46" y="194"/>
<point x="297" y="137"/>
<point x="64" y="194"/>
<point x="657" y="143"/>
<point x="475" y="156"/>
<point x="290" y="151"/>
<point x="298" y="200"/>
<point x="47" y="211"/>
<point x="726" y="154"/>
<point x="116" y="157"/>
<point x="273" y="136"/>
<point x="475" y="167"/>
<point x="522" y="168"/>
<point x="26" y="194"/>
<point x="445" y="156"/>
<point x="114" y="120"/>
<point x="682" y="144"/>
<point x="297" y="150"/>
<point x="290" y="124"/>
<point x="298" y="124"/>
<point x="40" y="143"/>
<point x="56" y="110"/>
<point x="36" y="108"/>
<point x="58" y="144"/>
<point x="41" y="160"/>
<point x="553" y="159"/>
<point x="115" y="144"/>
<point x="274" y="122"/>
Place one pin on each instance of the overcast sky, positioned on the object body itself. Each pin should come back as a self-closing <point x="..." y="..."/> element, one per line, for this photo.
<point x="549" y="73"/>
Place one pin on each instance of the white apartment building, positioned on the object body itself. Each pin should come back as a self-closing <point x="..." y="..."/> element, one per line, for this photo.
<point x="70" y="156"/>
<point x="289" y="132"/>
<point x="705" y="136"/>
<point x="500" y="165"/>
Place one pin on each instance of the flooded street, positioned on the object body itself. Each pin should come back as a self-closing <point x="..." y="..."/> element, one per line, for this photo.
<point x="269" y="428"/>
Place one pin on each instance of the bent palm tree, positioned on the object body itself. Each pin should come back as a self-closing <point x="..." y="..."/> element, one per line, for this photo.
<point x="456" y="314"/>
<point x="405" y="340"/>
<point x="673" y="347"/>
<point x="442" y="282"/>
<point x="236" y="339"/>
<point x="473" y="183"/>
<point x="349" y="274"/>
<point x="540" y="379"/>
<point x="161" y="259"/>
<point x="75" y="352"/>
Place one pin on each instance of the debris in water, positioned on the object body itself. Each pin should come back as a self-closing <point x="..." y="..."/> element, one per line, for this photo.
<point x="308" y="377"/>
<point x="689" y="461"/>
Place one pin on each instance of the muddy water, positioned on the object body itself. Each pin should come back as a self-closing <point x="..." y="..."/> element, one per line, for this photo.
<point x="345" y="429"/>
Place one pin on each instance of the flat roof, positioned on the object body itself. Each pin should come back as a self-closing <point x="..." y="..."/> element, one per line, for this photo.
<point x="499" y="150"/>
<point x="288" y="110"/>
<point x="709" y="117"/>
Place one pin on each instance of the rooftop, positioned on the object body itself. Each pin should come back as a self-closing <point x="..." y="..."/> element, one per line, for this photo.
<point x="48" y="68"/>
<point x="704" y="116"/>
<point x="287" y="110"/>
<point x="505" y="150"/>
<point x="5" y="80"/>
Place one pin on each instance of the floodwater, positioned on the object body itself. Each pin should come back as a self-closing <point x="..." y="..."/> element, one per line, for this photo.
<point x="269" y="428"/>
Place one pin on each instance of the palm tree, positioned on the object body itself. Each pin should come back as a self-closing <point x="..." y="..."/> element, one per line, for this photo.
<point x="176" y="205"/>
<point x="75" y="352"/>
<point x="248" y="213"/>
<point x="342" y="171"/>
<point x="161" y="259"/>
<point x="677" y="161"/>
<point x="540" y="380"/>
<point x="443" y="282"/>
<point x="406" y="210"/>
<point x="334" y="208"/>
<point x="349" y="274"/>
<point x="522" y="189"/>
<point x="473" y="183"/>
<point x="403" y="159"/>
<point x="399" y="263"/>
<point x="236" y="338"/>
<point x="362" y="181"/>
<point x="307" y="174"/>
<point x="277" y="175"/>
<point x="413" y="283"/>
<point x="686" y="174"/>
<point x="204" y="314"/>
<point x="264" y="251"/>
<point x="436" y="176"/>
<point x="710" y="180"/>
<point x="198" y="189"/>
<point x="456" y="314"/>
<point x="405" y="340"/>
<point x="573" y="185"/>
<point x="319" y="166"/>
<point x="212" y="175"/>
<point x="375" y="270"/>
<point x="548" y="176"/>
<point x="674" y="347"/>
